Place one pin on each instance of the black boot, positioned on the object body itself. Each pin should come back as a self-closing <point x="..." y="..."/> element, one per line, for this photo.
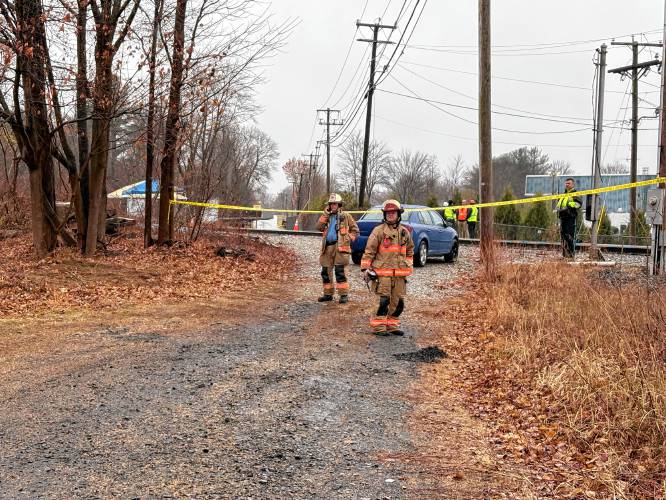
<point x="344" y="299"/>
<point x="399" y="333"/>
<point x="325" y="298"/>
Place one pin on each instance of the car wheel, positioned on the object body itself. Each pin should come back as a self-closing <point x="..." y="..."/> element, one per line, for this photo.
<point x="421" y="256"/>
<point x="452" y="256"/>
<point x="356" y="257"/>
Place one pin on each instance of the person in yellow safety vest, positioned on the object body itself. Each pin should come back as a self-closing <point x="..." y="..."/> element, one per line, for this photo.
<point x="461" y="215"/>
<point x="472" y="218"/>
<point x="449" y="213"/>
<point x="567" y="211"/>
<point x="339" y="230"/>
<point x="387" y="261"/>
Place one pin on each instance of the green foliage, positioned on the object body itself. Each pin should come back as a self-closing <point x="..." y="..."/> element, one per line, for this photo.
<point x="606" y="229"/>
<point x="643" y="229"/>
<point x="538" y="216"/>
<point x="432" y="202"/>
<point x="507" y="217"/>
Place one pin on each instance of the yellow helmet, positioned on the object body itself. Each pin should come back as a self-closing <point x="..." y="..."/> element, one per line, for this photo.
<point x="335" y="198"/>
<point x="390" y="205"/>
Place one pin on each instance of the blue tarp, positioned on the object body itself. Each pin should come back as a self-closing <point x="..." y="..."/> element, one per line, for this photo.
<point x="140" y="188"/>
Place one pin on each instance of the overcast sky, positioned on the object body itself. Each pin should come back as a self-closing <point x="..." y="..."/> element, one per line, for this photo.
<point x="437" y="66"/>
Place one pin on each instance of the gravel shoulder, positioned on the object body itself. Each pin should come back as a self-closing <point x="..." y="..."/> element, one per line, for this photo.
<point x="273" y="396"/>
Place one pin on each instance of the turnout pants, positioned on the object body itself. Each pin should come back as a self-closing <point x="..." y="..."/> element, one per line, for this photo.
<point x="568" y="233"/>
<point x="333" y="267"/>
<point x="391" y="291"/>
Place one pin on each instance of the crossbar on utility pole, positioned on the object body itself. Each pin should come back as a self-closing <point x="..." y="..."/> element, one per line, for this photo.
<point x="486" y="244"/>
<point x="336" y="122"/>
<point x="371" y="92"/>
<point x="633" y="71"/>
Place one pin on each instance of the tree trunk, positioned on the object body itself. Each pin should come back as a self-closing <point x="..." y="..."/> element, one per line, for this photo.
<point x="150" y="132"/>
<point x="165" y="231"/>
<point x="35" y="138"/>
<point x="82" y="95"/>
<point x="99" y="154"/>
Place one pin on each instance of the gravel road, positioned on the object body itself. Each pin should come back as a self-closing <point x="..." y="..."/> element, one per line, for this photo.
<point x="287" y="399"/>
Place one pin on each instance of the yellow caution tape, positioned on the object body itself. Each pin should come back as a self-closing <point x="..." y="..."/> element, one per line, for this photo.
<point x="521" y="201"/>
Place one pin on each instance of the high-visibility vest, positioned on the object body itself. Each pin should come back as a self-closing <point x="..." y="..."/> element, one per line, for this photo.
<point x="462" y="214"/>
<point x="449" y="214"/>
<point x="567" y="201"/>
<point x="473" y="215"/>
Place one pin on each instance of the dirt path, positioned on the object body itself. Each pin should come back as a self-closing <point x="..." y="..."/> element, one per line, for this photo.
<point x="284" y="398"/>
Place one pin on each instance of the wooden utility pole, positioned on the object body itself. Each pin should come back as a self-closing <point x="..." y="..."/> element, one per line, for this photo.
<point x="633" y="70"/>
<point x="371" y="92"/>
<point x="659" y="236"/>
<point x="595" y="254"/>
<point x="485" y="140"/>
<point x="336" y="122"/>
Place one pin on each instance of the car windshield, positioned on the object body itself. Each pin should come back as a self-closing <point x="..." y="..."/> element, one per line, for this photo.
<point x="374" y="215"/>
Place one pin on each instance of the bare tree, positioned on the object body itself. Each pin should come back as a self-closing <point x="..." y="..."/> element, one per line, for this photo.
<point x="350" y="161"/>
<point x="616" y="167"/>
<point x="410" y="176"/>
<point x="560" y="167"/>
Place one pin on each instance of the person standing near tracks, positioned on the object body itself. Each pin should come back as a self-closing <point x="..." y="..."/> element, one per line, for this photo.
<point x="472" y="218"/>
<point x="339" y="230"/>
<point x="567" y="210"/>
<point x="449" y="213"/>
<point x="462" y="214"/>
<point x="387" y="261"/>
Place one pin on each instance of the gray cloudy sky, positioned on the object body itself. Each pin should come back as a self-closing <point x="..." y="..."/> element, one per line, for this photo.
<point x="535" y="40"/>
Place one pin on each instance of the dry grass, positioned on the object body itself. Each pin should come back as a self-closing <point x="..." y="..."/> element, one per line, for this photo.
<point x="599" y="347"/>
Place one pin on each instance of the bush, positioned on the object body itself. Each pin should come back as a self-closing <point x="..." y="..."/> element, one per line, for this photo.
<point x="507" y="218"/>
<point x="539" y="217"/>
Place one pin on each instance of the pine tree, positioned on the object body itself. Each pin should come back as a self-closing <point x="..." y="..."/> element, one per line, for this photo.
<point x="507" y="217"/>
<point x="540" y="218"/>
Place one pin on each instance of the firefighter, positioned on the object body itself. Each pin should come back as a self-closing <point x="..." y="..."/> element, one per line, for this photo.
<point x="388" y="260"/>
<point x="339" y="230"/>
<point x="472" y="218"/>
<point x="567" y="211"/>
<point x="449" y="213"/>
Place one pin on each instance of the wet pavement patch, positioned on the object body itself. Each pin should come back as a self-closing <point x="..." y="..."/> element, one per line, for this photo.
<point x="430" y="354"/>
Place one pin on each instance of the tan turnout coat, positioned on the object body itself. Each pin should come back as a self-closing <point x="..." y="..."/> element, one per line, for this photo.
<point x="389" y="251"/>
<point x="347" y="230"/>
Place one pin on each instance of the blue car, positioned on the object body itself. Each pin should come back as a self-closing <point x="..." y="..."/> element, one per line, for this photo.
<point x="433" y="237"/>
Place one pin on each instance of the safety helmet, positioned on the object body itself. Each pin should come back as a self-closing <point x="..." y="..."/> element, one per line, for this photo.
<point x="335" y="198"/>
<point x="445" y="204"/>
<point x="392" y="205"/>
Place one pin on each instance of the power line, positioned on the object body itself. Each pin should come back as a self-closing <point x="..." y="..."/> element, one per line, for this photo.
<point x="550" y="84"/>
<point x="471" y="108"/>
<point x="495" y="105"/>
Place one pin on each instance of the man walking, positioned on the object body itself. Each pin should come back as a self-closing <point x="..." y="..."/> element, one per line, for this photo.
<point x="388" y="260"/>
<point x="339" y="230"/>
<point x="567" y="210"/>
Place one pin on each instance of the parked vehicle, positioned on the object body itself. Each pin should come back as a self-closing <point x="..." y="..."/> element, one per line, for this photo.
<point x="433" y="237"/>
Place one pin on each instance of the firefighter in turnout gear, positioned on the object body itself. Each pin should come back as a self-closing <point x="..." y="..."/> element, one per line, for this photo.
<point x="339" y="230"/>
<point x="389" y="254"/>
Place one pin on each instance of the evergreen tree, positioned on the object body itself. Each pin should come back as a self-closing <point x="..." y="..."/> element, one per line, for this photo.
<point x="507" y="217"/>
<point x="540" y="218"/>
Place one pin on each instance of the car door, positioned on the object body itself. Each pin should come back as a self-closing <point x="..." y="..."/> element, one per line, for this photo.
<point x="434" y="236"/>
<point x="444" y="233"/>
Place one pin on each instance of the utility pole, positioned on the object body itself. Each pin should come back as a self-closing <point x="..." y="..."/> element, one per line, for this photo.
<point x="595" y="254"/>
<point x="336" y="122"/>
<point x="658" y="265"/>
<point x="313" y="158"/>
<point x="634" y="69"/>
<point x="485" y="141"/>
<point x="371" y="92"/>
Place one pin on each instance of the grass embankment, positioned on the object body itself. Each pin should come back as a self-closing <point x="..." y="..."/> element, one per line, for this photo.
<point x="579" y="358"/>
